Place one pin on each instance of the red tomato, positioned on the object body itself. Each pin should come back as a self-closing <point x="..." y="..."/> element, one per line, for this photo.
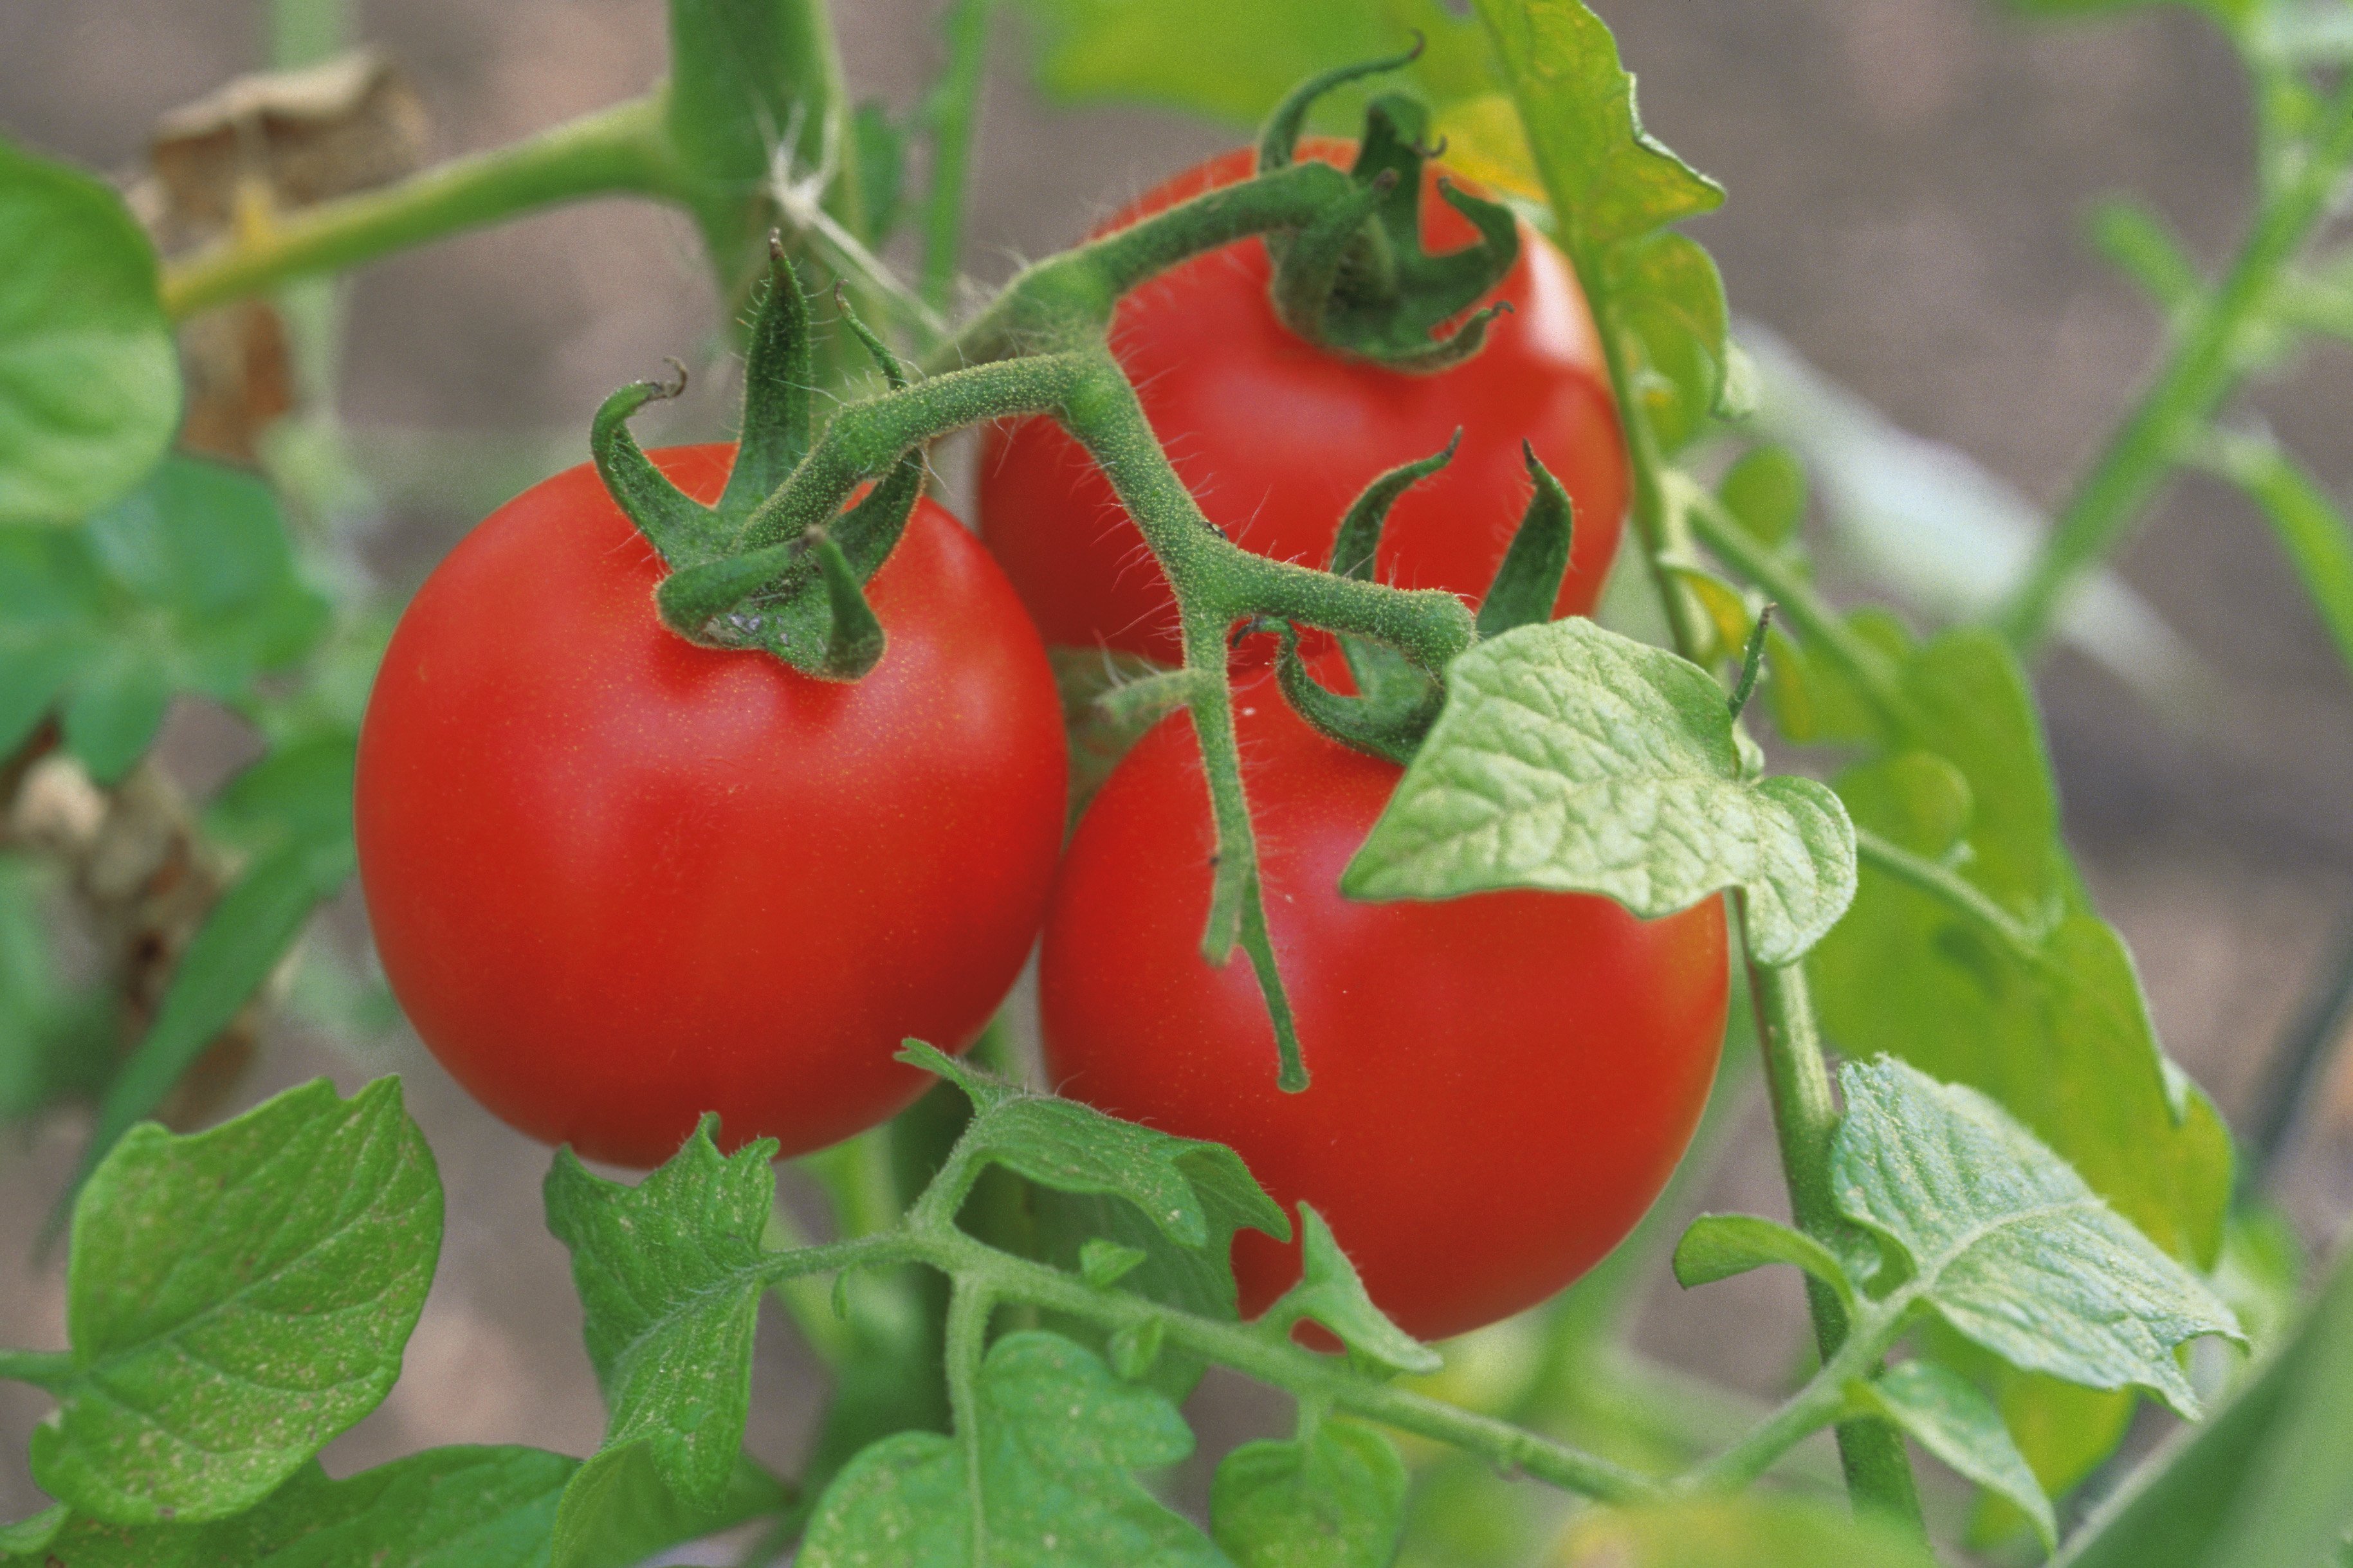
<point x="1502" y="1083"/>
<point x="1275" y="437"/>
<point x="619" y="879"/>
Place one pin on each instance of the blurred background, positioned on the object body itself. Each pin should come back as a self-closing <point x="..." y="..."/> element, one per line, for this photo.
<point x="1909" y="186"/>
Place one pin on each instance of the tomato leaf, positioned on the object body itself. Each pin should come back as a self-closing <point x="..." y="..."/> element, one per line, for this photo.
<point x="1337" y="1501"/>
<point x="1330" y="1292"/>
<point x="2007" y="1242"/>
<point x="1945" y="1413"/>
<point x="2262" y="1481"/>
<point x="1720" y="1246"/>
<point x="89" y="380"/>
<point x="235" y="1300"/>
<point x="1757" y="1531"/>
<point x="2058" y="1033"/>
<point x="1180" y="1185"/>
<point x="1060" y="1440"/>
<point x="55" y="1041"/>
<point x="1574" y="760"/>
<point x="185" y="584"/>
<point x="669" y="1275"/>
<point x="1608" y="181"/>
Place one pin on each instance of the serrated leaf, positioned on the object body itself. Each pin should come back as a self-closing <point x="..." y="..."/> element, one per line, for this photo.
<point x="2007" y="1242"/>
<point x="2059" y="1036"/>
<point x="2264" y="1480"/>
<point x="1944" y="1413"/>
<point x="89" y="381"/>
<point x="1330" y="1292"/>
<point x="1758" y="1530"/>
<point x="1061" y="1439"/>
<point x="235" y="1300"/>
<point x="1608" y="181"/>
<point x="1176" y="1183"/>
<point x="241" y="941"/>
<point x="1335" y="1501"/>
<point x="1720" y="1246"/>
<point x="670" y="1277"/>
<point x="1571" y="759"/>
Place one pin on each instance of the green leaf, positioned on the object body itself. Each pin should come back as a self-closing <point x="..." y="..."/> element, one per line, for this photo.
<point x="1574" y="760"/>
<point x="1180" y="53"/>
<point x="1757" y="1531"/>
<point x="2059" y="1034"/>
<point x="2006" y="1241"/>
<point x="303" y="787"/>
<point x="1666" y="296"/>
<point x="1944" y="1413"/>
<point x="117" y="708"/>
<point x="27" y="1536"/>
<point x="1177" y="1184"/>
<point x="1337" y="1501"/>
<point x="231" y="955"/>
<point x="2312" y="529"/>
<point x="2146" y="250"/>
<point x="235" y="1300"/>
<point x="2264" y="1481"/>
<point x="1719" y="1246"/>
<point x="1059" y="1438"/>
<point x="617" y="1510"/>
<point x="55" y="1041"/>
<point x="1607" y="180"/>
<point x="1330" y="1292"/>
<point x="89" y="381"/>
<point x="1103" y="1264"/>
<point x="670" y="1277"/>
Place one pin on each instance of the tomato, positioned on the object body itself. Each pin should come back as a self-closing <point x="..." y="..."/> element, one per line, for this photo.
<point x="619" y="879"/>
<point x="1275" y="437"/>
<point x="1501" y="1083"/>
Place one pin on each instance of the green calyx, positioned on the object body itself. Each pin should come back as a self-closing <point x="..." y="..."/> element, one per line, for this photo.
<point x="1357" y="280"/>
<point x="801" y="598"/>
<point x="1399" y="700"/>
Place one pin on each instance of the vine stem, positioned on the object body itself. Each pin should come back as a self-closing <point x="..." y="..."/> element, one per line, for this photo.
<point x="43" y="1369"/>
<point x="1824" y="1399"/>
<point x="1805" y="1115"/>
<point x="2197" y="374"/>
<point x="968" y="1342"/>
<point x="625" y="148"/>
<point x="1960" y="894"/>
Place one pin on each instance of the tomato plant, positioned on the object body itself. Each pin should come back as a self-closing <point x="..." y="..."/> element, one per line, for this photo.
<point x="706" y="804"/>
<point x="1276" y="435"/>
<point x="582" y="842"/>
<point x="1474" y="1173"/>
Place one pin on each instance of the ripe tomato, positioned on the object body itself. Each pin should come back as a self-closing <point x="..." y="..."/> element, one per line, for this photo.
<point x="1502" y="1083"/>
<point x="1275" y="437"/>
<point x="619" y="879"/>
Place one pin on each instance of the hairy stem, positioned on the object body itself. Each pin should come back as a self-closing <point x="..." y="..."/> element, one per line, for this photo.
<point x="1805" y="1115"/>
<point x="1959" y="893"/>
<point x="1820" y="1402"/>
<point x="968" y="1311"/>
<point x="622" y="149"/>
<point x="2201" y="369"/>
<point x="43" y="1369"/>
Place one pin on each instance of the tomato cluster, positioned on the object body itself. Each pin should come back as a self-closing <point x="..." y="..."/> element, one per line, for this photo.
<point x="619" y="879"/>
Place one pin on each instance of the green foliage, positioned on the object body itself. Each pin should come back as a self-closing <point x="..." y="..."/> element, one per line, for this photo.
<point x="1331" y="1500"/>
<point x="1184" y="54"/>
<point x="185" y="584"/>
<point x="2006" y="1241"/>
<point x="1059" y="1438"/>
<point x="54" y="1041"/>
<point x="1945" y="1413"/>
<point x="1330" y="1292"/>
<point x="235" y="1298"/>
<point x="2264" y="1481"/>
<point x="89" y="381"/>
<point x="1756" y="1531"/>
<point x="669" y="1274"/>
<point x="1554" y="740"/>
<point x="1720" y="1246"/>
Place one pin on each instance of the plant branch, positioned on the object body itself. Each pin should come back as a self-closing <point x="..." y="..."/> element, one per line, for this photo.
<point x="1961" y="894"/>
<point x="1821" y="1401"/>
<point x="43" y="1369"/>
<point x="2203" y="368"/>
<point x="1805" y="1115"/>
<point x="952" y="115"/>
<point x="622" y="149"/>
